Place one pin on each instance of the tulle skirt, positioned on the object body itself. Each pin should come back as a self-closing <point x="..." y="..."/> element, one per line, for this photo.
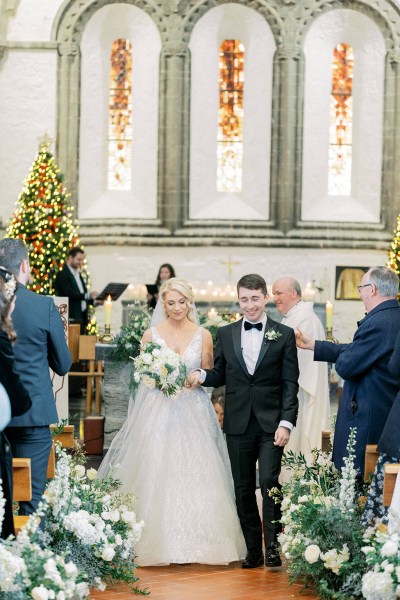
<point x="172" y="456"/>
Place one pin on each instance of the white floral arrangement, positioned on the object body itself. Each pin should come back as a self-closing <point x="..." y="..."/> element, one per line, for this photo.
<point x="271" y="335"/>
<point x="382" y="551"/>
<point x="29" y="571"/>
<point x="322" y="530"/>
<point x="157" y="366"/>
<point x="89" y="521"/>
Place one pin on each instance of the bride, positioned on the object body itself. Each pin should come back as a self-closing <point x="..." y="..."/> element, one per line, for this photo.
<point x="171" y="453"/>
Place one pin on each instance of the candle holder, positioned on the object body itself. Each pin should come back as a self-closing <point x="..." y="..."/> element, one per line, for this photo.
<point x="106" y="337"/>
<point x="329" y="336"/>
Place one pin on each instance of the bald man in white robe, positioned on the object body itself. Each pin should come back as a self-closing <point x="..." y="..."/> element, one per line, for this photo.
<point x="314" y="405"/>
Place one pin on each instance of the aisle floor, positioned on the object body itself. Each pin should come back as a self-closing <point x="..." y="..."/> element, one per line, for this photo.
<point x="203" y="582"/>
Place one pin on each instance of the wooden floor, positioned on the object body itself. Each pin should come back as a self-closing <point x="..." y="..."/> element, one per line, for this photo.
<point x="202" y="582"/>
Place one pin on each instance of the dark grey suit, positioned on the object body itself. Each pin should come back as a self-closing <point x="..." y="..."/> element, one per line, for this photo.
<point x="41" y="344"/>
<point x="254" y="406"/>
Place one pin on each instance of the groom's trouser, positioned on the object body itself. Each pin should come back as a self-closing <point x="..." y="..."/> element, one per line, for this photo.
<point x="244" y="450"/>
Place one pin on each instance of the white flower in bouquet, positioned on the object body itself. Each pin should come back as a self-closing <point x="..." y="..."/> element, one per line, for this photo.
<point x="312" y="553"/>
<point x="391" y="547"/>
<point x="378" y="586"/>
<point x="160" y="367"/>
<point x="91" y="474"/>
<point x="333" y="559"/>
<point x="79" y="471"/>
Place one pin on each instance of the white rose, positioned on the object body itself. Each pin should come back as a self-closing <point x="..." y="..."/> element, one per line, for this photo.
<point x="107" y="497"/>
<point x="108" y="553"/>
<point x="91" y="474"/>
<point x="156" y="352"/>
<point x="79" y="470"/>
<point x="40" y="593"/>
<point x="114" y="515"/>
<point x="118" y="540"/>
<point x="147" y="358"/>
<point x="312" y="553"/>
<point x="367" y="549"/>
<point x="302" y="499"/>
<point x="60" y="595"/>
<point x="389" y="548"/>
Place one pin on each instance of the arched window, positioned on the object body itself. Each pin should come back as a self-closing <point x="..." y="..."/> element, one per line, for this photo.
<point x="120" y="116"/>
<point x="230" y="117"/>
<point x="341" y="122"/>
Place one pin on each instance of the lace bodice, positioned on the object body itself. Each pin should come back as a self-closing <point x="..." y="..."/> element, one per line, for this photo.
<point x="192" y="355"/>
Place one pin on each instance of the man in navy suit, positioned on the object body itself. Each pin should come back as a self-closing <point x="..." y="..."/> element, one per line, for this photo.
<point x="370" y="388"/>
<point x="70" y="283"/>
<point x="256" y="358"/>
<point x="40" y="344"/>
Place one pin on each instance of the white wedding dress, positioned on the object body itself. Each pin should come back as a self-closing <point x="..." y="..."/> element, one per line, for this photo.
<point x="173" y="458"/>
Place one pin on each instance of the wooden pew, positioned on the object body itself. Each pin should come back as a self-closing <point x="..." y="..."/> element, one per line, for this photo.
<point x="94" y="373"/>
<point x="22" y="487"/>
<point x="389" y="481"/>
<point x="371" y="458"/>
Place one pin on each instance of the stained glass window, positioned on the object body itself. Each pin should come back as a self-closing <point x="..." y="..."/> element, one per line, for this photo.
<point x="120" y="116"/>
<point x="230" y="117"/>
<point x="341" y="122"/>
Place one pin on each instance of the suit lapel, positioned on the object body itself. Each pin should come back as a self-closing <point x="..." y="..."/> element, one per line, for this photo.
<point x="271" y="324"/>
<point x="237" y="344"/>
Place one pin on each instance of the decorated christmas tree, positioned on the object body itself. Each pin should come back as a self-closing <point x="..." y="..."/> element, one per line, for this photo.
<point x="44" y="220"/>
<point x="394" y="252"/>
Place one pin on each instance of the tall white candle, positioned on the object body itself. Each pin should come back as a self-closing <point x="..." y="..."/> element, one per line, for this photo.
<point x="329" y="315"/>
<point x="107" y="311"/>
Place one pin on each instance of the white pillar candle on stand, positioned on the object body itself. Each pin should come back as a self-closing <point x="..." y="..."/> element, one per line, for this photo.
<point x="329" y="315"/>
<point x="107" y="311"/>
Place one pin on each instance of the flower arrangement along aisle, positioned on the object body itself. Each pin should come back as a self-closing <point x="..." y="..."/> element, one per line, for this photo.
<point x="127" y="342"/>
<point x="159" y="367"/>
<point x="90" y="522"/>
<point x="29" y="571"/>
<point x="382" y="550"/>
<point x="323" y="534"/>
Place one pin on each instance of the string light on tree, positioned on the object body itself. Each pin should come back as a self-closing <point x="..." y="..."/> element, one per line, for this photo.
<point x="394" y="252"/>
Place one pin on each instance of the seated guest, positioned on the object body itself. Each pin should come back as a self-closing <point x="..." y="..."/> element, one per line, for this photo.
<point x="388" y="447"/>
<point x="14" y="399"/>
<point x="218" y="402"/>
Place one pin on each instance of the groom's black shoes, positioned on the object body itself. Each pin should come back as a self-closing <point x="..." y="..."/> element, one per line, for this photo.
<point x="253" y="559"/>
<point x="272" y="557"/>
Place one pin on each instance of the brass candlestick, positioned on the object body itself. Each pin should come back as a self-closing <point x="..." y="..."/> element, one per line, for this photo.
<point x="106" y="337"/>
<point x="329" y="336"/>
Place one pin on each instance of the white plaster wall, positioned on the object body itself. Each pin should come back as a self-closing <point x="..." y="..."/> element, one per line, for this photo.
<point x="230" y="21"/>
<point x="199" y="265"/>
<point x="27" y="111"/>
<point x="33" y="20"/>
<point x="95" y="201"/>
<point x="363" y="35"/>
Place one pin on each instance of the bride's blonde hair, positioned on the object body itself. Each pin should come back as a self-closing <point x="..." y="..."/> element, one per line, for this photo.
<point x="179" y="285"/>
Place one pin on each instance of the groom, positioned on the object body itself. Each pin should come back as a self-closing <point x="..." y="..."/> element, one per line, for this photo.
<point x="256" y="358"/>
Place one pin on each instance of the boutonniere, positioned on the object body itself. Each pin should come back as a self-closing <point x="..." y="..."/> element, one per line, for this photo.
<point x="271" y="335"/>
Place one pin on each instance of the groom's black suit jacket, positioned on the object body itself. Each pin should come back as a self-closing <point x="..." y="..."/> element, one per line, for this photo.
<point x="271" y="390"/>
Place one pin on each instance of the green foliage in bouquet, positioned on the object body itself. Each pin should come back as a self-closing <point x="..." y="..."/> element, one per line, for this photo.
<point x="89" y="521"/>
<point x="127" y="342"/>
<point x="323" y="533"/>
<point x="213" y="323"/>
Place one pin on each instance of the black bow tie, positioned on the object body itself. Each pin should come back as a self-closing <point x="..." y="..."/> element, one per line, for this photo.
<point x="248" y="326"/>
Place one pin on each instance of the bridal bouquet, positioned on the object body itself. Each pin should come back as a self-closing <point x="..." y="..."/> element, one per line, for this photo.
<point x="159" y="367"/>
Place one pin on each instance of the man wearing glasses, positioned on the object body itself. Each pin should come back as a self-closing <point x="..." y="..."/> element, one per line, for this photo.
<point x="369" y="389"/>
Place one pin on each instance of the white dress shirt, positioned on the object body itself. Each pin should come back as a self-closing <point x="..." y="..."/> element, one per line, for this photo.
<point x="77" y="276"/>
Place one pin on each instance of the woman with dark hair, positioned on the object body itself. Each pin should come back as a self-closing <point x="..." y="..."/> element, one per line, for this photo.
<point x="166" y="271"/>
<point x="16" y="400"/>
